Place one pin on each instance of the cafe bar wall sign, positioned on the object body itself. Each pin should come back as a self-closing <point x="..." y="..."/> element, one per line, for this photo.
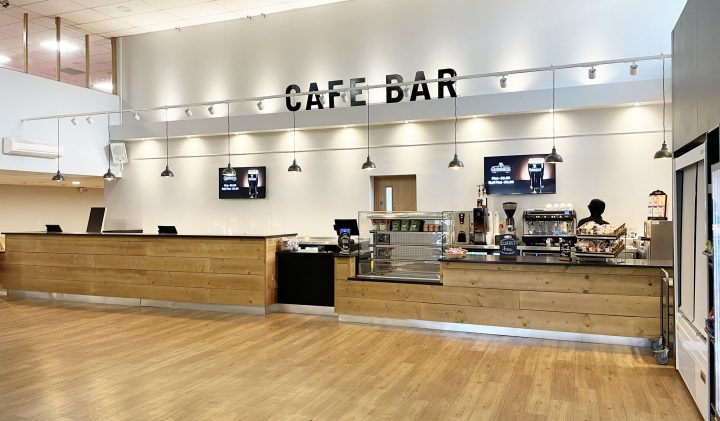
<point x="392" y="93"/>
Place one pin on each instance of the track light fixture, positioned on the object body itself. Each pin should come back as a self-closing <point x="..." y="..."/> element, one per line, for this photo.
<point x="343" y="96"/>
<point x="211" y="109"/>
<point x="136" y="116"/>
<point x="229" y="170"/>
<point x="58" y="177"/>
<point x="664" y="152"/>
<point x="89" y="119"/>
<point x="188" y="112"/>
<point x="456" y="164"/>
<point x="503" y="82"/>
<point x="591" y="73"/>
<point x="406" y="90"/>
<point x="73" y="121"/>
<point x="109" y="176"/>
<point x="633" y="69"/>
<point x="368" y="164"/>
<point x="322" y="99"/>
<point x="167" y="172"/>
<point x="260" y="105"/>
<point x="294" y="167"/>
<point x="554" y="157"/>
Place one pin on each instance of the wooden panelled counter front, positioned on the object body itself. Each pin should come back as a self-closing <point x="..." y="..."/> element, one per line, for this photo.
<point x="229" y="270"/>
<point x="603" y="299"/>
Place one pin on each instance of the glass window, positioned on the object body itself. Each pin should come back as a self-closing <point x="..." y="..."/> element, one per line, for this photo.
<point x="11" y="46"/>
<point x="100" y="64"/>
<point x="72" y="60"/>
<point x="42" y="47"/>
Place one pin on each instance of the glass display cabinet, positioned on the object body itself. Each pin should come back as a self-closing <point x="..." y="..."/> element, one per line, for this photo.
<point x="403" y="246"/>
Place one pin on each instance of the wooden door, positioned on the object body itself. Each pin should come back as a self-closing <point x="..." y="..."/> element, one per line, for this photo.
<point x="398" y="192"/>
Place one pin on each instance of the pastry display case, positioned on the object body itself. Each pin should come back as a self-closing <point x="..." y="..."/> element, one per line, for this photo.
<point x="403" y="246"/>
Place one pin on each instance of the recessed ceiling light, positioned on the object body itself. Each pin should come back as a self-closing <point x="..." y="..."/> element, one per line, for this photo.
<point x="65" y="46"/>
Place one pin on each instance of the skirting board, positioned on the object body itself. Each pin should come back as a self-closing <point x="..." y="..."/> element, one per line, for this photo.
<point x="137" y="302"/>
<point x="496" y="330"/>
<point x="301" y="309"/>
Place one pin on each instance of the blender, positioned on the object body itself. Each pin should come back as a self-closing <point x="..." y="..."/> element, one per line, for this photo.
<point x="510" y="208"/>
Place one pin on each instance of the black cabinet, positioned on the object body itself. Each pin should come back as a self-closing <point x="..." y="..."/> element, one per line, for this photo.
<point x="306" y="278"/>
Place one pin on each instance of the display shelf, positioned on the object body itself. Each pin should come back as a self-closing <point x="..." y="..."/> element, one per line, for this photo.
<point x="621" y="233"/>
<point x="603" y="255"/>
<point x="396" y="253"/>
<point x="405" y="232"/>
<point x="434" y="246"/>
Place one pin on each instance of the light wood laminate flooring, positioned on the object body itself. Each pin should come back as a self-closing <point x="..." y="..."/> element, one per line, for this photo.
<point x="70" y="361"/>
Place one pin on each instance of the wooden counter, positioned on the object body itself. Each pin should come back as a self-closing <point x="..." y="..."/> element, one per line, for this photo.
<point x="228" y="270"/>
<point x="598" y="299"/>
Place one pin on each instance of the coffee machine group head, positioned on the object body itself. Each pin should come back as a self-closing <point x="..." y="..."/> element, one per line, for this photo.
<point x="510" y="208"/>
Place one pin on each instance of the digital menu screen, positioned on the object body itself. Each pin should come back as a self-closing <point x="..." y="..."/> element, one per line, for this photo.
<point x="247" y="183"/>
<point x="519" y="174"/>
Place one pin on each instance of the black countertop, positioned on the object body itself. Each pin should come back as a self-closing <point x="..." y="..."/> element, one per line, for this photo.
<point x="551" y="260"/>
<point x="125" y="234"/>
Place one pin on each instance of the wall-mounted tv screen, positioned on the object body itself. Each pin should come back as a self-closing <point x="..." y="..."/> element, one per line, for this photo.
<point x="247" y="183"/>
<point x="519" y="174"/>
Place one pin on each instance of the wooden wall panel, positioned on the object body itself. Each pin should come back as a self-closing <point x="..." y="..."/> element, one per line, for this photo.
<point x="618" y="301"/>
<point x="213" y="270"/>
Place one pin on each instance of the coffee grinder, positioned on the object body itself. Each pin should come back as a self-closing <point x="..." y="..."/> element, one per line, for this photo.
<point x="510" y="208"/>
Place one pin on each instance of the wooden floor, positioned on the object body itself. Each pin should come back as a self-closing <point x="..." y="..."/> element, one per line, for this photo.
<point x="89" y="362"/>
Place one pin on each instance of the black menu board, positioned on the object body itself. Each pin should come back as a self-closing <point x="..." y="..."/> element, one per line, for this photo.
<point x="509" y="247"/>
<point x="247" y="183"/>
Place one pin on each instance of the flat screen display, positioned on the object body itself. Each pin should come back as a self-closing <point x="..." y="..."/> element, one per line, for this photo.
<point x="519" y="174"/>
<point x="247" y="183"/>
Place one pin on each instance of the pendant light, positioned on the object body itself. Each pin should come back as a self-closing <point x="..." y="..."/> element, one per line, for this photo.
<point x="229" y="170"/>
<point x="368" y="165"/>
<point x="294" y="167"/>
<point x="167" y="172"/>
<point x="58" y="176"/>
<point x="554" y="157"/>
<point x="456" y="164"/>
<point x="663" y="153"/>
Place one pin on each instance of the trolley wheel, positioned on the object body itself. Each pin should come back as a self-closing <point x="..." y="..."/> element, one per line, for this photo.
<point x="661" y="357"/>
<point x="656" y="344"/>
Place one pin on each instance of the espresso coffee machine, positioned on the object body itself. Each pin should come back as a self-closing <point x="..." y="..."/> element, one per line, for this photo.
<point x="481" y="218"/>
<point x="510" y="208"/>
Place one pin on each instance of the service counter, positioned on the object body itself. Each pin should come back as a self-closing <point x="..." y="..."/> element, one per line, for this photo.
<point x="231" y="271"/>
<point x="528" y="296"/>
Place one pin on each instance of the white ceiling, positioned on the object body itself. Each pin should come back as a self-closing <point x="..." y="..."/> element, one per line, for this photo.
<point x="129" y="17"/>
<point x="102" y="19"/>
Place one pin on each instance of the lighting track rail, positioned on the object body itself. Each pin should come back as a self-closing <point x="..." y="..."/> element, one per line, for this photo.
<point x="259" y="99"/>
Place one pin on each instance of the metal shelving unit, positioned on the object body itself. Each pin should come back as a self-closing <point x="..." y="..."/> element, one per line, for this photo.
<point x="409" y="254"/>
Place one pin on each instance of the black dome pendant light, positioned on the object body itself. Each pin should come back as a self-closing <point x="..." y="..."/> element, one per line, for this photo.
<point x="109" y="176"/>
<point x="368" y="165"/>
<point x="554" y="157"/>
<point x="229" y="170"/>
<point x="58" y="177"/>
<point x="167" y="172"/>
<point x="294" y="167"/>
<point x="664" y="152"/>
<point x="456" y="164"/>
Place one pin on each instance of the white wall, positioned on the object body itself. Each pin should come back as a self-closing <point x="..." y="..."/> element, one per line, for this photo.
<point x="24" y="208"/>
<point x="372" y="38"/>
<point x="31" y="96"/>
<point x="608" y="154"/>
